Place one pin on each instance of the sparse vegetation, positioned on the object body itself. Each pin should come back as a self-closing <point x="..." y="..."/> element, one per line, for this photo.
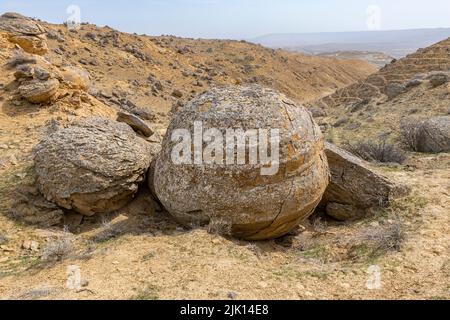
<point x="331" y="136"/>
<point x="322" y="275"/>
<point x="306" y="242"/>
<point x="409" y="206"/>
<point x="150" y="292"/>
<point x="317" y="252"/>
<point x="255" y="250"/>
<point x="107" y="232"/>
<point x="3" y="239"/>
<point x="314" y="247"/>
<point x="148" y="256"/>
<point x="59" y="249"/>
<point x="219" y="227"/>
<point x="377" y="151"/>
<point x="388" y="238"/>
<point x="139" y="254"/>
<point x="319" y="225"/>
<point x="373" y="242"/>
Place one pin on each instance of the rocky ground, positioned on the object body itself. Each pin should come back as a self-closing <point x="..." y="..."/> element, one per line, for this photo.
<point x="139" y="252"/>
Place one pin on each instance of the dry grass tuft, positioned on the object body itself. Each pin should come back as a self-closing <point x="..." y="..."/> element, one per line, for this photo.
<point x="3" y="239"/>
<point x="107" y="233"/>
<point x="388" y="238"/>
<point x="374" y="242"/>
<point x="219" y="227"/>
<point x="150" y="292"/>
<point x="38" y="293"/>
<point x="59" y="249"/>
<point x="319" y="226"/>
<point x="378" y="151"/>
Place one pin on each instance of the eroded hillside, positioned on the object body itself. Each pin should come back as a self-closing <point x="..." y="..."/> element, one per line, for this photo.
<point x="413" y="87"/>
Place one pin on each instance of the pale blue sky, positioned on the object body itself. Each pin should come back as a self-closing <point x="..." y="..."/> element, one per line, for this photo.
<point x="239" y="19"/>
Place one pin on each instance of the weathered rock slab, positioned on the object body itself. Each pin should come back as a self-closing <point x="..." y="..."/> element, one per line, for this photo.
<point x="135" y="122"/>
<point x="354" y="187"/>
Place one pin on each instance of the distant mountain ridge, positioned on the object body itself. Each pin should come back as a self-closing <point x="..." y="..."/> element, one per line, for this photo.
<point x="396" y="43"/>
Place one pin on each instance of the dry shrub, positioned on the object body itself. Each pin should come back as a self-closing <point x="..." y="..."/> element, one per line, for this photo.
<point x="378" y="151"/>
<point x="319" y="225"/>
<point x="108" y="232"/>
<point x="255" y="250"/>
<point x="409" y="134"/>
<point x="389" y="238"/>
<point x="376" y="241"/>
<point x="59" y="249"/>
<point x="220" y="227"/>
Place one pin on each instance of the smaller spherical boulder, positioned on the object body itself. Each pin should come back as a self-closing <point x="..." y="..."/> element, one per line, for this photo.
<point x="76" y="78"/>
<point x="93" y="166"/>
<point x="434" y="135"/>
<point x="394" y="89"/>
<point x="38" y="91"/>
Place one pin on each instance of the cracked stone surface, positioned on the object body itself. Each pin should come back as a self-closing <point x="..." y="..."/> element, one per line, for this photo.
<point x="93" y="166"/>
<point x="257" y="206"/>
<point x="25" y="32"/>
<point x="434" y="135"/>
<point x="37" y="91"/>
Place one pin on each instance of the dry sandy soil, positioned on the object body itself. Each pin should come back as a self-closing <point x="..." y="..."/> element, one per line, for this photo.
<point x="141" y="253"/>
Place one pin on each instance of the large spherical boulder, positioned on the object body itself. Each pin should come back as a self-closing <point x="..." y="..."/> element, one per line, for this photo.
<point x="259" y="199"/>
<point x="93" y="166"/>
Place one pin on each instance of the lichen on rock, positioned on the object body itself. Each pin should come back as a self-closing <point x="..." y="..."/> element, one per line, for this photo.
<point x="257" y="206"/>
<point x="93" y="166"/>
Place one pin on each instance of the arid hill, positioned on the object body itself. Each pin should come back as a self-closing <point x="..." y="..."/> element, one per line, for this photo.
<point x="415" y="86"/>
<point x="157" y="72"/>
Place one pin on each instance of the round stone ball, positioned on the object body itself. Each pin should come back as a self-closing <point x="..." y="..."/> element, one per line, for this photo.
<point x="93" y="166"/>
<point x="201" y="176"/>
